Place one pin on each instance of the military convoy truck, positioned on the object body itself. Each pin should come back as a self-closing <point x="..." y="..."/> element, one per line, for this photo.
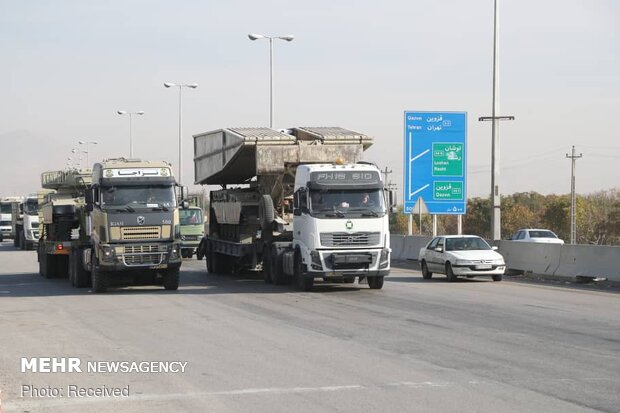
<point x="25" y="222"/>
<point x="116" y="226"/>
<point x="297" y="204"/>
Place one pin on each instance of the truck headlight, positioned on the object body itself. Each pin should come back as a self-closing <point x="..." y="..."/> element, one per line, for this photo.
<point x="174" y="252"/>
<point x="315" y="259"/>
<point x="384" y="258"/>
<point x="107" y="253"/>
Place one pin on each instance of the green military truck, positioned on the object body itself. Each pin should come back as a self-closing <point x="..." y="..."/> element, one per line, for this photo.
<point x="118" y="226"/>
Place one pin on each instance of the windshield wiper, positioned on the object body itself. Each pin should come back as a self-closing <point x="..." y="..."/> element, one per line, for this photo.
<point x="367" y="212"/>
<point x="125" y="208"/>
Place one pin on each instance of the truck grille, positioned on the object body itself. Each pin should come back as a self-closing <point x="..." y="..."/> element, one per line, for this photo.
<point x="141" y="249"/>
<point x="143" y="259"/>
<point x="355" y="239"/>
<point x="133" y="233"/>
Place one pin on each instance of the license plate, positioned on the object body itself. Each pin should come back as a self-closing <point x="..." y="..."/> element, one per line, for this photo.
<point x="484" y="267"/>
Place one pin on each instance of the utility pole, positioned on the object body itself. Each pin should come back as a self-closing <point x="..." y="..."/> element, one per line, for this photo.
<point x="496" y="220"/>
<point x="385" y="173"/>
<point x="573" y="197"/>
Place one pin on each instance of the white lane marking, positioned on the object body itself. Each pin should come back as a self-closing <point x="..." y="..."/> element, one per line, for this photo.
<point x="420" y="385"/>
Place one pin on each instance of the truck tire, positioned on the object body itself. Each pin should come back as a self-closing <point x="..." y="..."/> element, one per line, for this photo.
<point x="81" y="277"/>
<point x="497" y="277"/>
<point x="98" y="279"/>
<point x="375" y="283"/>
<point x="171" y="279"/>
<point x="16" y="238"/>
<point x="277" y="272"/>
<point x="210" y="262"/>
<point x="267" y="268"/>
<point x="266" y="212"/>
<point x="42" y="263"/>
<point x="303" y="283"/>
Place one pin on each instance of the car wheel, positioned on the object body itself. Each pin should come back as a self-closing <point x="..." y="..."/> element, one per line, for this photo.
<point x="426" y="274"/>
<point x="450" y="273"/>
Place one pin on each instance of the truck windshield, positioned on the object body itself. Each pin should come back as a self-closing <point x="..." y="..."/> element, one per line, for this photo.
<point x="30" y="207"/>
<point x="5" y="208"/>
<point x="138" y="196"/>
<point x="190" y="216"/>
<point x="339" y="203"/>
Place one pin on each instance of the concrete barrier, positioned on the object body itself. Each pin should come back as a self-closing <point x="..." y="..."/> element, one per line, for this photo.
<point x="562" y="260"/>
<point x="397" y="243"/>
<point x="590" y="261"/>
<point x="411" y="246"/>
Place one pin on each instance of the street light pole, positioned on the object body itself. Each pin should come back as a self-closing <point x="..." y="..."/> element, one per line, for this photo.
<point x="87" y="150"/>
<point x="181" y="86"/>
<point x="124" y="112"/>
<point x="288" y="38"/>
<point x="496" y="220"/>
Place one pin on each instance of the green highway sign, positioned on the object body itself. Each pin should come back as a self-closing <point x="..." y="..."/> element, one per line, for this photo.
<point x="448" y="190"/>
<point x="448" y="159"/>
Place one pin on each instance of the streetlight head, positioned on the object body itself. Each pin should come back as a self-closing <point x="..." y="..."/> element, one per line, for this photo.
<point x="140" y="112"/>
<point x="288" y="38"/>
<point x="168" y="84"/>
<point x="193" y="85"/>
<point x="121" y="112"/>
<point x="254" y="36"/>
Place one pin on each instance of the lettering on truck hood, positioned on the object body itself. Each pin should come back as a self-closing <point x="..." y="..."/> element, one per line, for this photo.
<point x="140" y="218"/>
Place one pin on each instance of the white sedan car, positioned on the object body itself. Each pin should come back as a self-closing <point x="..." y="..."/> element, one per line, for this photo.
<point x="536" y="235"/>
<point x="461" y="256"/>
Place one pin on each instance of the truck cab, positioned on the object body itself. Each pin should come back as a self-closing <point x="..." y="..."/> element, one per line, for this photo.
<point x="192" y="229"/>
<point x="340" y="225"/>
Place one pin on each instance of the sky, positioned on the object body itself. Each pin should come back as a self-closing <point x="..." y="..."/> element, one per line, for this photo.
<point x="69" y="65"/>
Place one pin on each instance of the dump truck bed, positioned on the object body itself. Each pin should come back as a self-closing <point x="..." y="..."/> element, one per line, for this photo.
<point x="235" y="155"/>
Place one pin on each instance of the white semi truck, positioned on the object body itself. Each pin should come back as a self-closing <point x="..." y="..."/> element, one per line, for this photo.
<point x="25" y="222"/>
<point x="304" y="206"/>
<point x="6" y="215"/>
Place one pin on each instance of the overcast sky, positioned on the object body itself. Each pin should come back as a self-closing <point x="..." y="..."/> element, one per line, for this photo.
<point x="68" y="66"/>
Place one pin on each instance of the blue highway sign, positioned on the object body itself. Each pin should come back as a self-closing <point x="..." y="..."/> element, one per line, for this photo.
<point x="436" y="161"/>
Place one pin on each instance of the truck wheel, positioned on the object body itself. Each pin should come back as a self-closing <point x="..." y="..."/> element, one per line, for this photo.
<point x="497" y="277"/>
<point x="200" y="251"/>
<point x="171" y="279"/>
<point x="426" y="274"/>
<point x="210" y="262"/>
<point x="81" y="277"/>
<point x="98" y="279"/>
<point x="267" y="268"/>
<point x="450" y="273"/>
<point x="266" y="212"/>
<point x="277" y="272"/>
<point x="375" y="283"/>
<point x="303" y="283"/>
<point x="42" y="263"/>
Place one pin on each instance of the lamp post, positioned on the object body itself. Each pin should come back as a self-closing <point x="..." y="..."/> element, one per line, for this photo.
<point x="181" y="86"/>
<point x="124" y="112"/>
<point x="87" y="151"/>
<point x="288" y="38"/>
<point x="79" y="157"/>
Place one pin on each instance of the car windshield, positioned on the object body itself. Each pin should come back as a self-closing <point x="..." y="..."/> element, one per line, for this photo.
<point x="542" y="234"/>
<point x="466" y="244"/>
<point x="340" y="202"/>
<point x="138" y="196"/>
<point x="190" y="216"/>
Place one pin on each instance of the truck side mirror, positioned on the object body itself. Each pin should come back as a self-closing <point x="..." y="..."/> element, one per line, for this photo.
<point x="184" y="204"/>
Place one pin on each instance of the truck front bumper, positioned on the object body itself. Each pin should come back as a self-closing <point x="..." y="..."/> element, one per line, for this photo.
<point x="141" y="257"/>
<point x="348" y="263"/>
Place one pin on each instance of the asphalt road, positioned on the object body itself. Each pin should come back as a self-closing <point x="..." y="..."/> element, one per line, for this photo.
<point x="424" y="346"/>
